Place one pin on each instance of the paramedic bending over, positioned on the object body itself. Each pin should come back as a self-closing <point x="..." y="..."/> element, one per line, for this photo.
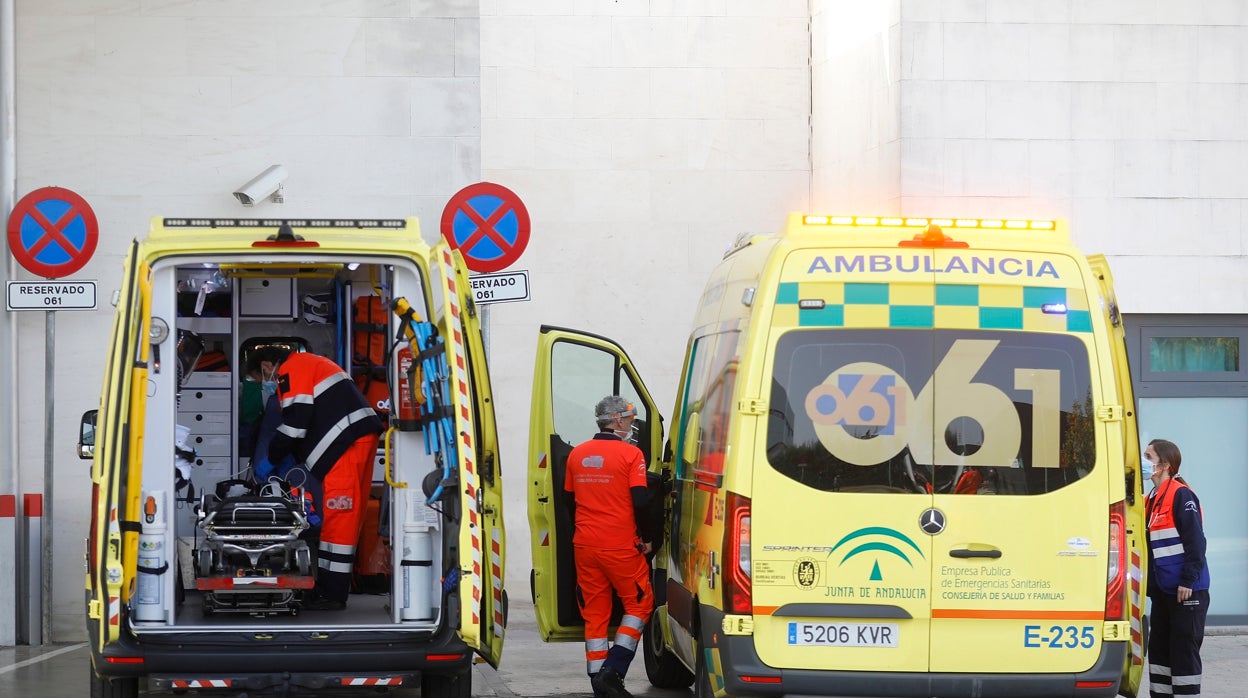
<point x="329" y="427"/>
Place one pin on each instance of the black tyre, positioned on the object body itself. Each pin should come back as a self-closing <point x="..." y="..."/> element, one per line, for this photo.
<point x="113" y="688"/>
<point x="446" y="686"/>
<point x="662" y="667"/>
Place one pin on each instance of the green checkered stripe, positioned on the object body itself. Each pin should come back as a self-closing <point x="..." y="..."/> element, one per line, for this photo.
<point x="908" y="305"/>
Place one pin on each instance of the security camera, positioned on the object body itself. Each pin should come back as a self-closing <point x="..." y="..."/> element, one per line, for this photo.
<point x="266" y="184"/>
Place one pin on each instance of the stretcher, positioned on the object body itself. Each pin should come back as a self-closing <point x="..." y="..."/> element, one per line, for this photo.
<point x="252" y="558"/>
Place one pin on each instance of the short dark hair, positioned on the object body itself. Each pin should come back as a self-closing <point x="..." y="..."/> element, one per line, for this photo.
<point x="270" y="353"/>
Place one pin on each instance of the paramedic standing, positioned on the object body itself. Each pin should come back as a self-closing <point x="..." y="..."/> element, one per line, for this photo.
<point x="327" y="425"/>
<point x="606" y="478"/>
<point x="1178" y="576"/>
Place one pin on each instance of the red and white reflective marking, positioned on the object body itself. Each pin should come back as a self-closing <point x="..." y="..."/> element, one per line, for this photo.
<point x="496" y="578"/>
<point x="201" y="683"/>
<point x="281" y="582"/>
<point x="464" y="428"/>
<point x="114" y="602"/>
<point x="380" y="681"/>
<point x="1137" y="624"/>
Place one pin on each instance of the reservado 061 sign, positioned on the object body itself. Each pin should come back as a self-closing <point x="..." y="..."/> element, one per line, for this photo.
<point x="51" y="295"/>
<point x="500" y="288"/>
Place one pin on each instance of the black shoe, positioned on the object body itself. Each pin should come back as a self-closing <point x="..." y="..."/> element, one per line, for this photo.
<point x="320" y="603"/>
<point x="609" y="683"/>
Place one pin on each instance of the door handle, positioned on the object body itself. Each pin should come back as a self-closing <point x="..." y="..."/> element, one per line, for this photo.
<point x="966" y="552"/>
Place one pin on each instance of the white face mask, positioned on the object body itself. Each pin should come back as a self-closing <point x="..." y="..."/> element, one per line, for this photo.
<point x="1146" y="469"/>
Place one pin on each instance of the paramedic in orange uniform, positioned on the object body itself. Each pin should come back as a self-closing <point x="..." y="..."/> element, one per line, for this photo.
<point x="327" y="425"/>
<point x="606" y="478"/>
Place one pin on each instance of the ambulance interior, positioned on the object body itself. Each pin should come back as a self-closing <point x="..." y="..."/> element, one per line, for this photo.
<point x="219" y="547"/>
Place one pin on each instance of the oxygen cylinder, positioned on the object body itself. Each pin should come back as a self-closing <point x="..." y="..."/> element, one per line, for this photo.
<point x="417" y="570"/>
<point x="149" y="594"/>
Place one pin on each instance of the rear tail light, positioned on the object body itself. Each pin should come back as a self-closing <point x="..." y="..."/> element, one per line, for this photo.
<point x="738" y="589"/>
<point x="1116" y="585"/>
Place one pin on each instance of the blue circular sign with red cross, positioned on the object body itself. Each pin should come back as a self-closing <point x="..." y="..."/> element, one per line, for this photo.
<point x="488" y="224"/>
<point x="53" y="232"/>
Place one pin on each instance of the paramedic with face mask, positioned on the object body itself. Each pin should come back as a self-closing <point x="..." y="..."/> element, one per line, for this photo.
<point x="1178" y="576"/>
<point x="329" y="427"/>
<point x="606" y="478"/>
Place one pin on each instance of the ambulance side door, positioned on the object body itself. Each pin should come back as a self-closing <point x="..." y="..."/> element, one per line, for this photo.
<point x="482" y="541"/>
<point x="112" y="555"/>
<point x="572" y="372"/>
<point x="1133" y="671"/>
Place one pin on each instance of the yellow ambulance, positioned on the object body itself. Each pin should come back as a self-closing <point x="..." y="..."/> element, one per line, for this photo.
<point x="903" y="461"/>
<point x="198" y="564"/>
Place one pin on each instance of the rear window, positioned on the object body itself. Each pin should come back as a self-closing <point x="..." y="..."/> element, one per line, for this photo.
<point x="931" y="411"/>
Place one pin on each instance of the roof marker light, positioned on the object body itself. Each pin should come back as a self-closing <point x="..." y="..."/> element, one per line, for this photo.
<point x="1053" y="308"/>
<point x="811" y="304"/>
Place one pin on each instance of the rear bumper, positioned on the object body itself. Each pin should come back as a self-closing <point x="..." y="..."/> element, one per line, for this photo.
<point x="739" y="659"/>
<point x="335" y="659"/>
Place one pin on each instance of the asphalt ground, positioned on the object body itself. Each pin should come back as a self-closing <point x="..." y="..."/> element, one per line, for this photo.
<point x="530" y="668"/>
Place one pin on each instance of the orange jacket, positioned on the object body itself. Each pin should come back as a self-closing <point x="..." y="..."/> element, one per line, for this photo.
<point x="323" y="412"/>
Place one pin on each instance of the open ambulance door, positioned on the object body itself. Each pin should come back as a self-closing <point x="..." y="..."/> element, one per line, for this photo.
<point x="112" y="541"/>
<point x="1136" y="555"/>
<point x="572" y="372"/>
<point x="482" y="544"/>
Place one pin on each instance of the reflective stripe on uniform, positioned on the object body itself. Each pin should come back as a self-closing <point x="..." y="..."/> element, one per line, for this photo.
<point x="336" y="430"/>
<point x="292" y="432"/>
<point x="595" y="654"/>
<point x="629" y="632"/>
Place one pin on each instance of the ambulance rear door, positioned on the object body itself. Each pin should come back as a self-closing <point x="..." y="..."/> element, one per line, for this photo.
<point x="482" y="544"/>
<point x="1124" y="439"/>
<point x="112" y="554"/>
<point x="572" y="372"/>
<point x="841" y="561"/>
<point x="1019" y="558"/>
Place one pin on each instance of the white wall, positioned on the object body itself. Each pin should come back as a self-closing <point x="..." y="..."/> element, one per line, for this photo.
<point x="642" y="140"/>
<point x="164" y="108"/>
<point x="643" y="137"/>
<point x="856" y="115"/>
<point x="1123" y="117"/>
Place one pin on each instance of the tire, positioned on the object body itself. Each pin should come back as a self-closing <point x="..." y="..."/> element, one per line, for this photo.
<point x="446" y="686"/>
<point x="662" y="667"/>
<point x="113" y="688"/>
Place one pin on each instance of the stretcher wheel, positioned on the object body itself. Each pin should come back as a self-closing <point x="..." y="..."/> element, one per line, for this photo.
<point x="303" y="561"/>
<point x="203" y="562"/>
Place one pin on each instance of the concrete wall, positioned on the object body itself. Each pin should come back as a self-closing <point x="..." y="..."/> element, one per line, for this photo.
<point x="1123" y="117"/>
<point x="642" y="139"/>
<point x="164" y="108"/>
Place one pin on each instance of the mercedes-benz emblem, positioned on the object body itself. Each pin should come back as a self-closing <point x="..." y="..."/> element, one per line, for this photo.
<point x="932" y="521"/>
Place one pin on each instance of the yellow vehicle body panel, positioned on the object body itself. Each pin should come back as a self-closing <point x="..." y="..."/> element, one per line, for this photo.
<point x="304" y="249"/>
<point x="932" y="429"/>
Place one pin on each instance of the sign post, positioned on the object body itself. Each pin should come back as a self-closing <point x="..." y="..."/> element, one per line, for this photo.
<point x="52" y="232"/>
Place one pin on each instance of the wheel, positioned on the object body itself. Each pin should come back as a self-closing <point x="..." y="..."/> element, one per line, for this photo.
<point x="446" y="686"/>
<point x="203" y="562"/>
<point x="702" y="684"/>
<point x="662" y="667"/>
<point x="102" y="687"/>
<point x="303" y="560"/>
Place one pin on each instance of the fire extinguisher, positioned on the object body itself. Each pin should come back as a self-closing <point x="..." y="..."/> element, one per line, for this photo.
<point x="409" y="383"/>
